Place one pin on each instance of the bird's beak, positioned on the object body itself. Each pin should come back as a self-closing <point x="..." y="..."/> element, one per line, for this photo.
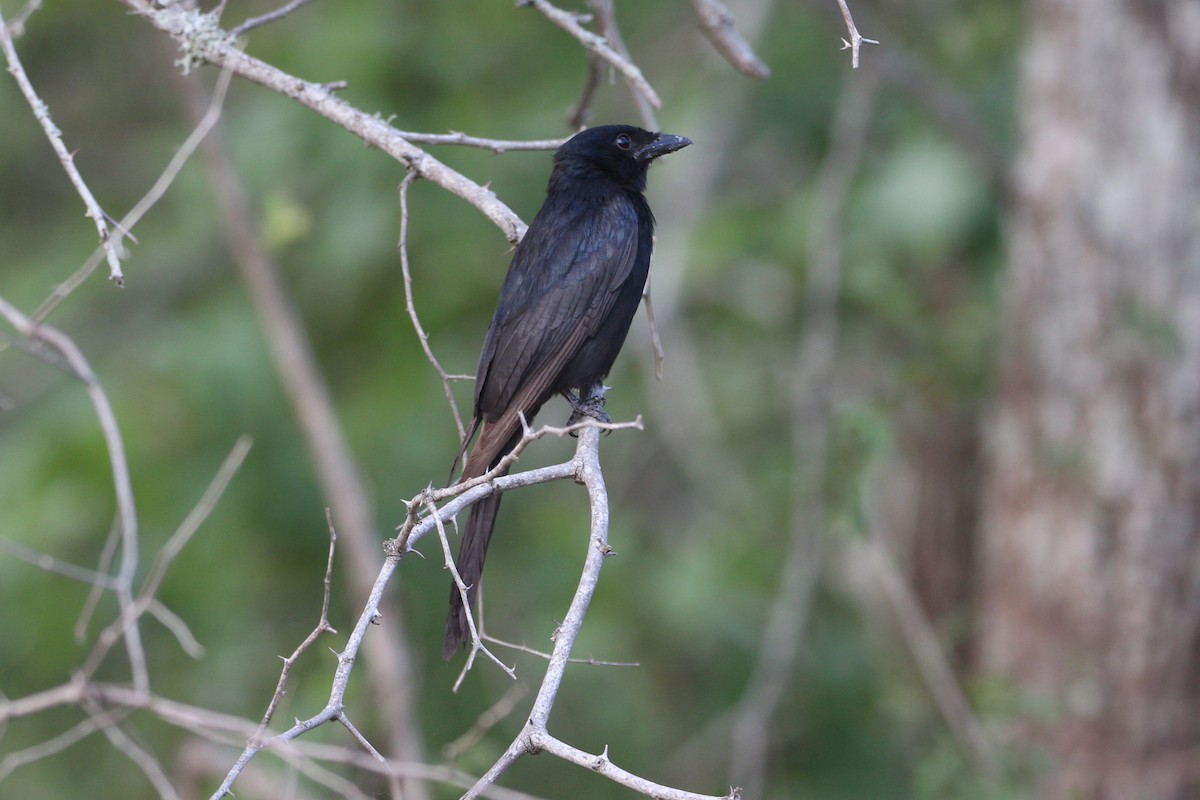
<point x="662" y="144"/>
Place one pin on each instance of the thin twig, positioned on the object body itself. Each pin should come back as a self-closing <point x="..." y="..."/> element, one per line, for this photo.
<point x="178" y="628"/>
<point x="497" y="146"/>
<point x="486" y="721"/>
<point x="477" y="645"/>
<point x="495" y="478"/>
<point x="603" y="765"/>
<point x="146" y="762"/>
<point x="524" y="648"/>
<point x="129" y="615"/>
<point x="365" y="743"/>
<point x="582" y="110"/>
<point x="50" y="563"/>
<point x="943" y="686"/>
<point x="270" y="16"/>
<point x="41" y="113"/>
<point x="660" y="355"/>
<point x="857" y="40"/>
<point x="322" y="626"/>
<point x="68" y="738"/>
<point x="103" y="564"/>
<point x="410" y="305"/>
<point x="570" y="23"/>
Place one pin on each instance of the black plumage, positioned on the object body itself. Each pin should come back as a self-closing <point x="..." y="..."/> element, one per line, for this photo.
<point x="570" y="294"/>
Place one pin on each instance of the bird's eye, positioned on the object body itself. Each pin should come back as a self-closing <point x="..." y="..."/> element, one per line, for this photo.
<point x="624" y="142"/>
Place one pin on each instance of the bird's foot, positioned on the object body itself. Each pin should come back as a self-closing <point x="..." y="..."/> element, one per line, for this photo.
<point x="590" y="406"/>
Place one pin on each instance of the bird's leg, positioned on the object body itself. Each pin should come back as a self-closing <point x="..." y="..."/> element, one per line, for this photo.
<point x="589" y="405"/>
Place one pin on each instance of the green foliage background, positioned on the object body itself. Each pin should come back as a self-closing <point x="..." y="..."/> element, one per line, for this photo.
<point x="699" y="526"/>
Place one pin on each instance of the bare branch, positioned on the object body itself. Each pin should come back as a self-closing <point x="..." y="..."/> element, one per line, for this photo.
<point x="270" y="16"/>
<point x="582" y="110"/>
<point x="856" y="39"/>
<point x="146" y="762"/>
<point x="716" y="21"/>
<point x="422" y="336"/>
<point x="467" y="492"/>
<point x="322" y="626"/>
<point x="41" y="113"/>
<point x="477" y="645"/>
<point x="104" y="564"/>
<point x="178" y="628"/>
<point x="57" y="565"/>
<point x="497" y="146"/>
<point x="597" y="44"/>
<point x="68" y="738"/>
<point x="486" y="721"/>
<point x="130" y="613"/>
<point x="602" y="765"/>
<point x="655" y="342"/>
<point x="594" y="662"/>
<point x="534" y="737"/>
<point x="393" y="783"/>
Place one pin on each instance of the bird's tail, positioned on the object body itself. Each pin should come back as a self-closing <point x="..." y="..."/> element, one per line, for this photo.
<point x="471" y="554"/>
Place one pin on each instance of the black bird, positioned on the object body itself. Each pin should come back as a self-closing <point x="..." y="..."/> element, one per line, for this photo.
<point x="570" y="294"/>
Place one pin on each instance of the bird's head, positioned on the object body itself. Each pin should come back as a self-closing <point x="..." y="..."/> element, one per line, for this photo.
<point x="620" y="152"/>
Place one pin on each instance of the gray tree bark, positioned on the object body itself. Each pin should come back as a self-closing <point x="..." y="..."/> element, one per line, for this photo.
<point x="1091" y="523"/>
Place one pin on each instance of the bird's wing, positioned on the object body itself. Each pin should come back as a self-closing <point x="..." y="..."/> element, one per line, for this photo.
<point x="561" y="286"/>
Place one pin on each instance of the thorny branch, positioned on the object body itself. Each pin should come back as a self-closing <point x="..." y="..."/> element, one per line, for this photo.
<point x="856" y="39"/>
<point x="534" y="737"/>
<point x="323" y="626"/>
<point x="41" y="113"/>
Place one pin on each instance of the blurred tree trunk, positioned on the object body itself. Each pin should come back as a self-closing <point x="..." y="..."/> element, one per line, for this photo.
<point x="1091" y="552"/>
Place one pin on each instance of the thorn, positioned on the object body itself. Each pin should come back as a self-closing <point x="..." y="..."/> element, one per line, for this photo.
<point x="846" y="45"/>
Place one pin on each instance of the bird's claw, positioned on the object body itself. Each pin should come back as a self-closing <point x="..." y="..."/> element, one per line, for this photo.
<point x="590" y="407"/>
